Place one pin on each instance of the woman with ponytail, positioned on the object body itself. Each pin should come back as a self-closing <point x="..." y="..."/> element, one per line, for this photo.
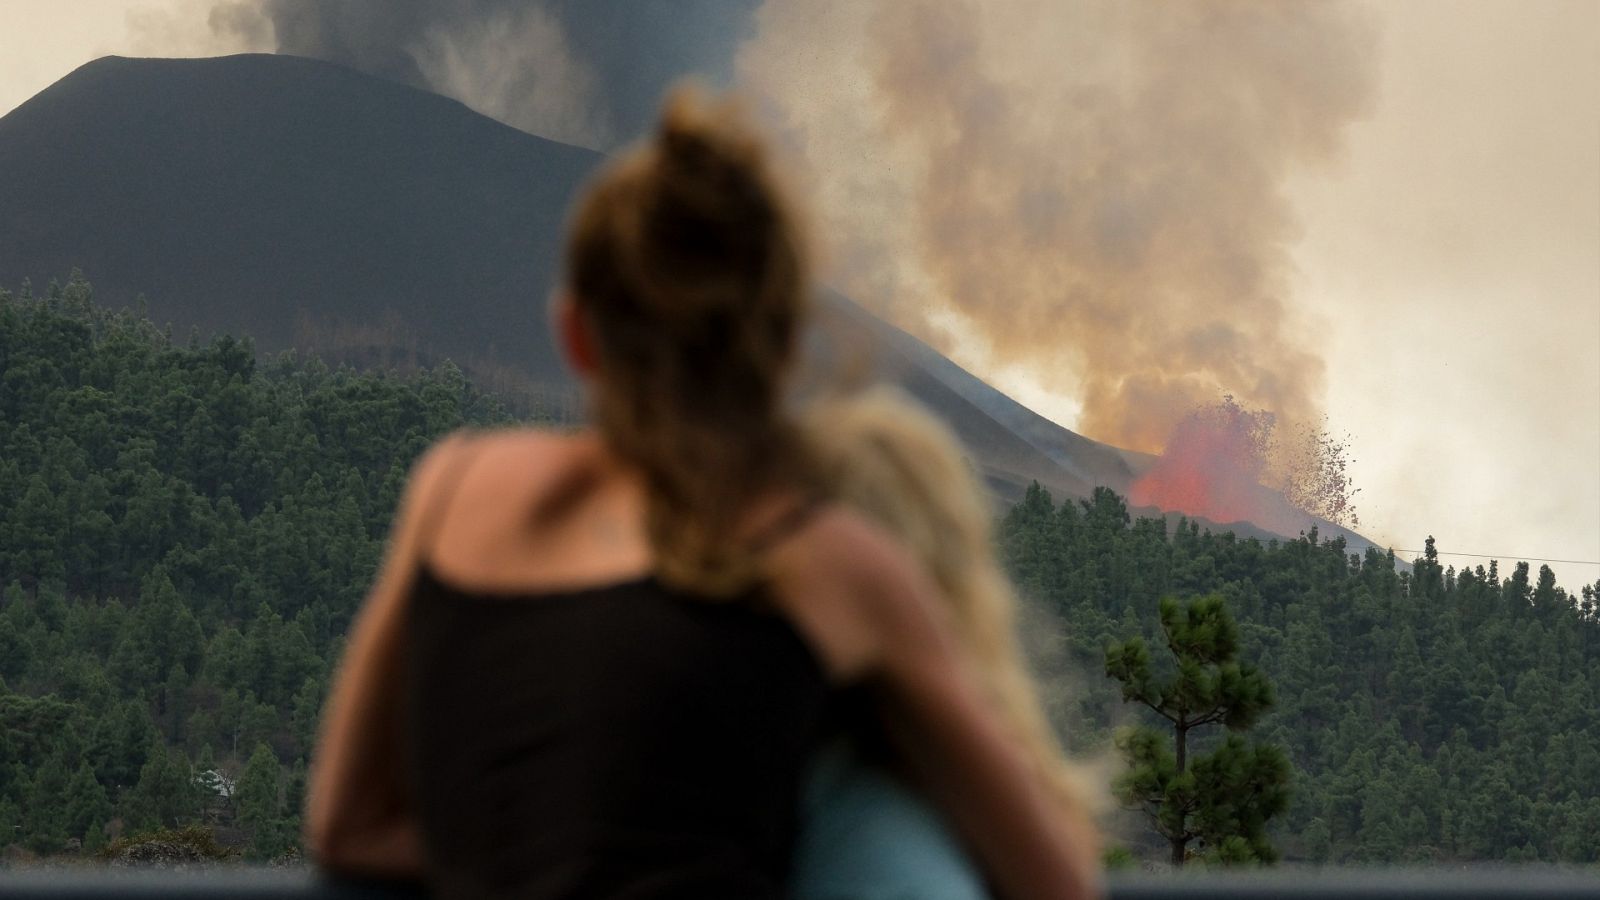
<point x="596" y="664"/>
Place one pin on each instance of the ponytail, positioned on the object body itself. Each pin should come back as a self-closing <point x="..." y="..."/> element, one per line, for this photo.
<point x="687" y="261"/>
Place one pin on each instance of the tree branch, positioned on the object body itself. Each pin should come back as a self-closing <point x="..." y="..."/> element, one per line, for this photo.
<point x="1159" y="711"/>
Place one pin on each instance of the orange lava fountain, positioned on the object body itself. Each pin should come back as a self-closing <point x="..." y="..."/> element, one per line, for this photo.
<point x="1223" y="463"/>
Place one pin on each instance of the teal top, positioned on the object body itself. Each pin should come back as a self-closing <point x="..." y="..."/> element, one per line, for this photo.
<point x="865" y="835"/>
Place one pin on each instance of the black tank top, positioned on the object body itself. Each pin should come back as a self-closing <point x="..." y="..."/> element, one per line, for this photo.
<point x="622" y="741"/>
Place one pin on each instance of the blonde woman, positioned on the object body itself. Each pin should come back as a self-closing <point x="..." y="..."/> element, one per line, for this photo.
<point x="868" y="834"/>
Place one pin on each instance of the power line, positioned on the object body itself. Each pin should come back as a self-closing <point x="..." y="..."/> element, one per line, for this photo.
<point x="1509" y="557"/>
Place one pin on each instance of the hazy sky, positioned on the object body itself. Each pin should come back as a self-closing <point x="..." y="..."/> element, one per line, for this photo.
<point x="1451" y="259"/>
<point x="1455" y="261"/>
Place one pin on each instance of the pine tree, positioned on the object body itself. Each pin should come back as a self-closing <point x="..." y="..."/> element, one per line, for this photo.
<point x="260" y="803"/>
<point x="1223" y="798"/>
<point x="86" y="802"/>
<point x="44" y="819"/>
<point x="10" y="822"/>
<point x="166" y="795"/>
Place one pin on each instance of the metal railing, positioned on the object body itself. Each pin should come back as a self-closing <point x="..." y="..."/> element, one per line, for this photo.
<point x="1291" y="884"/>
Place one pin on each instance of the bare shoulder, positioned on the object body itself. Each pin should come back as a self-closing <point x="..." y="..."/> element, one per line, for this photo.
<point x="840" y="543"/>
<point x="504" y="462"/>
<point x="852" y="588"/>
<point x="527" y="444"/>
<point x="429" y="470"/>
<point x="522" y="456"/>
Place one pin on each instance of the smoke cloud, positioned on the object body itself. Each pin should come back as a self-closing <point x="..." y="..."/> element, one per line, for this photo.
<point x="586" y="72"/>
<point x="1087" y="188"/>
<point x="196" y="28"/>
<point x="516" y="66"/>
<point x="511" y="61"/>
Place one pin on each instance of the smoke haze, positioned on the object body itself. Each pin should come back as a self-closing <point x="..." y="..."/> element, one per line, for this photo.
<point x="1092" y="190"/>
<point x="1089" y="191"/>
<point x="586" y="72"/>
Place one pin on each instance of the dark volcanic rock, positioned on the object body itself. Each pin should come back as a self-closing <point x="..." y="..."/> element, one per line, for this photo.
<point x="292" y="200"/>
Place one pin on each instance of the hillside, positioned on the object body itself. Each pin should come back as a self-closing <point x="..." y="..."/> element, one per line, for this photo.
<point x="185" y="533"/>
<point x="1432" y="716"/>
<point x="309" y="205"/>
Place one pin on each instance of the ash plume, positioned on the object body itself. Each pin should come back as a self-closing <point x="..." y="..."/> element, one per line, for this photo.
<point x="1090" y="189"/>
<point x="510" y="61"/>
<point x="196" y="28"/>
<point x="586" y="72"/>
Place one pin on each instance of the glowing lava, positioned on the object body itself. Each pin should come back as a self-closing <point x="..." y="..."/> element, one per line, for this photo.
<point x="1220" y="460"/>
<point x="1212" y="465"/>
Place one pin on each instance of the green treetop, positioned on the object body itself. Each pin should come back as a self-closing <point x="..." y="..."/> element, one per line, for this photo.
<point x="1225" y="797"/>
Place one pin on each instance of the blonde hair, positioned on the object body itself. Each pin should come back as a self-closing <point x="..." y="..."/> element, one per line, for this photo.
<point x="687" y="261"/>
<point x="881" y="454"/>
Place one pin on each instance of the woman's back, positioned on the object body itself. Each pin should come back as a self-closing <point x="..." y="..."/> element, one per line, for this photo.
<point x="615" y="740"/>
<point x="610" y="742"/>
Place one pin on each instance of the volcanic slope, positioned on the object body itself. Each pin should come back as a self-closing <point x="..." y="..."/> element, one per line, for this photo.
<point x="290" y="200"/>
<point x="309" y="205"/>
<point x="306" y="204"/>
